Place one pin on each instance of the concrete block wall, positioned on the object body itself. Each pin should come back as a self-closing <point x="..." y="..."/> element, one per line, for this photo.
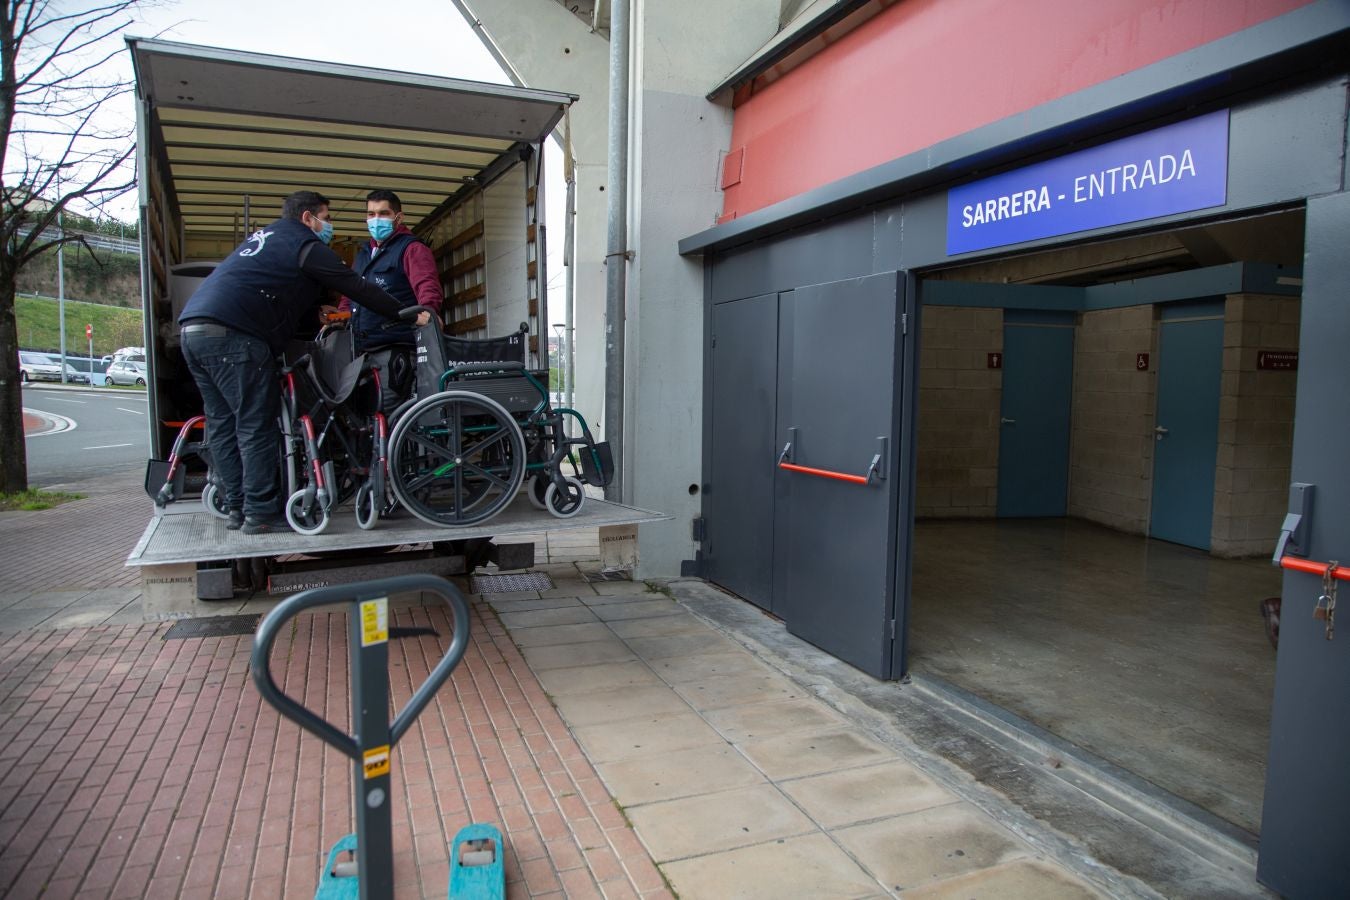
<point x="1256" y="426"/>
<point x="959" y="400"/>
<point x="1111" y="444"/>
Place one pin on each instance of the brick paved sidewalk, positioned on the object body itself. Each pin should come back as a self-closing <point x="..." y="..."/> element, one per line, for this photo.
<point x="138" y="766"/>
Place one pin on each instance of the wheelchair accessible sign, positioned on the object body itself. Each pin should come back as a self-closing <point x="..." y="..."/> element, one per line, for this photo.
<point x="1179" y="168"/>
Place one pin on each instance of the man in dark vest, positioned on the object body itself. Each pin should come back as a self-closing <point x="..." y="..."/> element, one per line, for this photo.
<point x="404" y="266"/>
<point x="233" y="328"/>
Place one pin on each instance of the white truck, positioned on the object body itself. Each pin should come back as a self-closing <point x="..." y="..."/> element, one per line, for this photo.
<point x="223" y="137"/>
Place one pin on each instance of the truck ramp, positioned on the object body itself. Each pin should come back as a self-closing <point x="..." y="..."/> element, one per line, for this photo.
<point x="187" y="555"/>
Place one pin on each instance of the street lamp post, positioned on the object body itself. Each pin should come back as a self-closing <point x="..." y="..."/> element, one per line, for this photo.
<point x="61" y="289"/>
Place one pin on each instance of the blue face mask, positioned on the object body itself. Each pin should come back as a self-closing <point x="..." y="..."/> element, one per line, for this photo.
<point x="326" y="232"/>
<point x="380" y="228"/>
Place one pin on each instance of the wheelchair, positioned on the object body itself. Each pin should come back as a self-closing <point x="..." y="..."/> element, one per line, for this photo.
<point x="478" y="427"/>
<point x="334" y="433"/>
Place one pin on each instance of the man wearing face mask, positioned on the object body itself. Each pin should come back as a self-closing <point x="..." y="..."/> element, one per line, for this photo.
<point x="404" y="266"/>
<point x="233" y="328"/>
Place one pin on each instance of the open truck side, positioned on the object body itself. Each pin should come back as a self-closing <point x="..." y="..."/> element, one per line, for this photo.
<point x="224" y="136"/>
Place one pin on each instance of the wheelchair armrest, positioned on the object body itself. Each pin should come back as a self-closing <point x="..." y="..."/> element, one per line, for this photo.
<point x="479" y="368"/>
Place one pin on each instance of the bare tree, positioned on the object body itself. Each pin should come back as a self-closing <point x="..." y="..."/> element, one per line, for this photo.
<point x="62" y="147"/>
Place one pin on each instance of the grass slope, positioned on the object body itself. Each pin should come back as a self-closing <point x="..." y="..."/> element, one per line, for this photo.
<point x="38" y="320"/>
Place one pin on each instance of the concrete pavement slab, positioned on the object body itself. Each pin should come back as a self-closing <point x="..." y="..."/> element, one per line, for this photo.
<point x="1020" y="880"/>
<point x="912" y="850"/>
<point x="835" y="799"/>
<point x="646" y="736"/>
<point x="808" y="866"/>
<point x="712" y="823"/>
<point x="679" y="773"/>
<point x="743" y="723"/>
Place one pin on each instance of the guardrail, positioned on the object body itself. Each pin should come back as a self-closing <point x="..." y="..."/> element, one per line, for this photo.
<point x="95" y="240"/>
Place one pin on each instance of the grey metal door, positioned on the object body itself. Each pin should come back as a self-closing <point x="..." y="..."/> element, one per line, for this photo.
<point x="839" y="384"/>
<point x="738" y="505"/>
<point x="1305" y="828"/>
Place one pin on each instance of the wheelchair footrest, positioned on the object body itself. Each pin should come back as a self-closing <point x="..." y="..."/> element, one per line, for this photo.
<point x="597" y="464"/>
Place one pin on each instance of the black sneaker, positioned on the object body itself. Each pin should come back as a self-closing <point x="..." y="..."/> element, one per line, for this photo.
<point x="236" y="520"/>
<point x="265" y="525"/>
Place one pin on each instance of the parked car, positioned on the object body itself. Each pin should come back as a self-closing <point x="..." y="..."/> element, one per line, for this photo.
<point x="134" y="353"/>
<point x="127" y="371"/>
<point x="41" y="367"/>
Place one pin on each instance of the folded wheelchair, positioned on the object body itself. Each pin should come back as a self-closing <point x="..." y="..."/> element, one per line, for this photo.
<point x="479" y="426"/>
<point x="334" y="433"/>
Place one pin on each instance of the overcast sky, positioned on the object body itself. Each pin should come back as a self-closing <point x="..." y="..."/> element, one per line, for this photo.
<point x="427" y="36"/>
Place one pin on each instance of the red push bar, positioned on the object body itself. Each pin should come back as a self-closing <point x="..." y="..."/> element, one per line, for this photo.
<point x="1313" y="567"/>
<point x="826" y="473"/>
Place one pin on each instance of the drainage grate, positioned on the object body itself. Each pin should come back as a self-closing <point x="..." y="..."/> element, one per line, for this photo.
<point x="212" y="626"/>
<point x="500" y="584"/>
<point x="617" y="575"/>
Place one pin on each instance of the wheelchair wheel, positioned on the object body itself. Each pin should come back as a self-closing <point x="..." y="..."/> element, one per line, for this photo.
<point x="535" y="489"/>
<point x="309" y="518"/>
<point x="367" y="507"/>
<point x="456" y="458"/>
<point x="213" y="498"/>
<point x="566" y="503"/>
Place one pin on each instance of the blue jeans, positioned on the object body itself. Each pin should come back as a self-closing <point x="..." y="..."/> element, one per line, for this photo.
<point x="237" y="377"/>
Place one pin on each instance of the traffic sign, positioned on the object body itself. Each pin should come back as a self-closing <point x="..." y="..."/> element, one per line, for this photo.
<point x="89" y="331"/>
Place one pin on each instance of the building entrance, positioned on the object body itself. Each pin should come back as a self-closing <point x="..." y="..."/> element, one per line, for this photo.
<point x="1129" y="624"/>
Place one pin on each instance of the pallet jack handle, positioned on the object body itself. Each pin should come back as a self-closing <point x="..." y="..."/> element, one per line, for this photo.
<point x="370" y="747"/>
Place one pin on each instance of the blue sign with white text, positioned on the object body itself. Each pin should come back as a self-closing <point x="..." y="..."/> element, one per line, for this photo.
<point x="1175" y="169"/>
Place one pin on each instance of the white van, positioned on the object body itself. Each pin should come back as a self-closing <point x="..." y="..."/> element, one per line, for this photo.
<point x="135" y="354"/>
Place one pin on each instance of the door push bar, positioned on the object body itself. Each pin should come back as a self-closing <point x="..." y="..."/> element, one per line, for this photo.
<point x="375" y="735"/>
<point x="1293" y="540"/>
<point x="874" y="469"/>
<point x="1313" y="567"/>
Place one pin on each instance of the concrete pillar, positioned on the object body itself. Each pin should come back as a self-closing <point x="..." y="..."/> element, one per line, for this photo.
<point x="680" y="52"/>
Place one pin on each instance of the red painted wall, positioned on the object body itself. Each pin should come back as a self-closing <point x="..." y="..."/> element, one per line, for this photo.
<point x="927" y="70"/>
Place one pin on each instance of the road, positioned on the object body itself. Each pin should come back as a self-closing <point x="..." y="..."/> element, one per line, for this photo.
<point x="109" y="434"/>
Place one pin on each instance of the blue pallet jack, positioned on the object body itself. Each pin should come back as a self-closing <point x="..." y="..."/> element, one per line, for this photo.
<point x="361" y="865"/>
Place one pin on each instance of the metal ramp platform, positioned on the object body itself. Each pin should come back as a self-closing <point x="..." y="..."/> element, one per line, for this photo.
<point x="185" y="533"/>
<point x="186" y="554"/>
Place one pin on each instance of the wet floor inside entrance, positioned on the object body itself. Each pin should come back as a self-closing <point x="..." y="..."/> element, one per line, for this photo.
<point x="1150" y="655"/>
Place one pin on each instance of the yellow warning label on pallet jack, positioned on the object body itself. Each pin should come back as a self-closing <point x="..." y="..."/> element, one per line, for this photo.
<point x="374" y="621"/>
<point x="376" y="762"/>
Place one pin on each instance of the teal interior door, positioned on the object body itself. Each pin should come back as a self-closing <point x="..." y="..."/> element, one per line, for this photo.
<point x="1186" y="432"/>
<point x="1033" y="453"/>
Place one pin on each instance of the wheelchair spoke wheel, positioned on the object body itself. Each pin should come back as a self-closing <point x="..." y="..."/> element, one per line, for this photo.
<point x="456" y="458"/>
<point x="567" y="502"/>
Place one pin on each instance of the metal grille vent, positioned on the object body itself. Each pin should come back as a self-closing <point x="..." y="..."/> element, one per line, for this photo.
<point x="500" y="584"/>
<point x="212" y="626"/>
<point x="597" y="577"/>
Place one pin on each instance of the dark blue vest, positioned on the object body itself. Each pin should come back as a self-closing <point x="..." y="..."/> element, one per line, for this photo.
<point x="373" y="330"/>
<point x="260" y="289"/>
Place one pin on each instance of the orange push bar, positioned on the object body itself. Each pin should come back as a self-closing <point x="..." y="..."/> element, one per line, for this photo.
<point x="826" y="473"/>
<point x="1313" y="567"/>
<point x="872" y="470"/>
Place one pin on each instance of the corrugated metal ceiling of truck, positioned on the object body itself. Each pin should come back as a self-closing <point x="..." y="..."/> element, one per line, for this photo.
<point x="237" y="124"/>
